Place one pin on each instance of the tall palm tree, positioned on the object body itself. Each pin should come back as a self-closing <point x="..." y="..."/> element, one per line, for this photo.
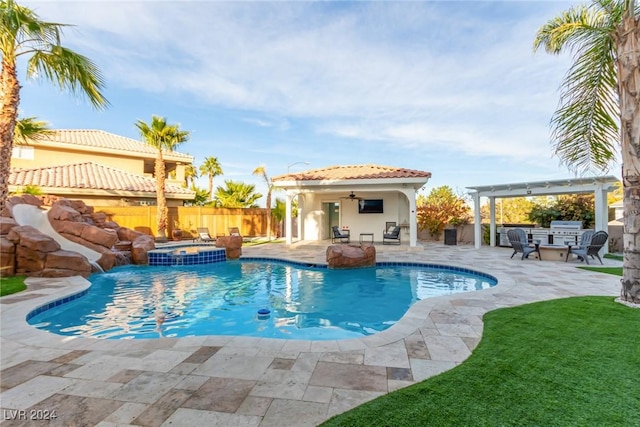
<point x="22" y="33"/>
<point x="211" y="168"/>
<point x="163" y="137"/>
<point x="190" y="174"/>
<point x="262" y="171"/>
<point x="237" y="195"/>
<point x="600" y="105"/>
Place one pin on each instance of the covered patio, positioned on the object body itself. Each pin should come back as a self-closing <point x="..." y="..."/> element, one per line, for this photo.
<point x="363" y="199"/>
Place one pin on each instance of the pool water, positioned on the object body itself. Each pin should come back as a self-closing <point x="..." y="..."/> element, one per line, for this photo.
<point x="230" y="298"/>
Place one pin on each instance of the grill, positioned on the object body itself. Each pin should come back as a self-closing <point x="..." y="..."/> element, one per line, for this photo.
<point x="566" y="232"/>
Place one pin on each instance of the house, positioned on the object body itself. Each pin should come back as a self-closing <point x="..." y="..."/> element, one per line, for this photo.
<point x="360" y="198"/>
<point x="98" y="167"/>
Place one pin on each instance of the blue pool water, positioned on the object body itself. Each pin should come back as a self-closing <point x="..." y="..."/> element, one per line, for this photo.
<point x="227" y="298"/>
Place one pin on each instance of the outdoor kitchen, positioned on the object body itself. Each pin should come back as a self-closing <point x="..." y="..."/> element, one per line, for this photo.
<point x="558" y="233"/>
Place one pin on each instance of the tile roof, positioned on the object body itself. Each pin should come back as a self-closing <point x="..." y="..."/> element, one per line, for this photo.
<point x="92" y="139"/>
<point x="89" y="176"/>
<point x="347" y="172"/>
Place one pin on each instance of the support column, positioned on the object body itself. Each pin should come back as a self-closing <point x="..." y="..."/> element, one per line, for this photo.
<point x="602" y="213"/>
<point x="492" y="221"/>
<point x="477" y="225"/>
<point x="287" y="225"/>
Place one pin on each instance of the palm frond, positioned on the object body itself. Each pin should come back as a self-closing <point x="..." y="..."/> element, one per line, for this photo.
<point x="585" y="127"/>
<point x="28" y="128"/>
<point x="69" y="70"/>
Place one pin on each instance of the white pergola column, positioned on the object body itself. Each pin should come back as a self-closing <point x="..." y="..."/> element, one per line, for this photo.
<point x="601" y="208"/>
<point x="287" y="225"/>
<point x="477" y="226"/>
<point x="492" y="221"/>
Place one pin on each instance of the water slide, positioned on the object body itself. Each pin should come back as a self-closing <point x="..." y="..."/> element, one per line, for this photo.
<point x="31" y="215"/>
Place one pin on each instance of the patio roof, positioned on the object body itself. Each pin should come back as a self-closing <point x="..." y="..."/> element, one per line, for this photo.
<point x="549" y="187"/>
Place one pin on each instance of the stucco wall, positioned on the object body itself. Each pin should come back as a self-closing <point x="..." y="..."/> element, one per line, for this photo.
<point x="316" y="220"/>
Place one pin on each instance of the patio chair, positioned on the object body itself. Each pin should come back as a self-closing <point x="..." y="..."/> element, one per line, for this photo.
<point x="520" y="243"/>
<point x="591" y="249"/>
<point x="339" y="236"/>
<point x="203" y="235"/>
<point x="393" y="237"/>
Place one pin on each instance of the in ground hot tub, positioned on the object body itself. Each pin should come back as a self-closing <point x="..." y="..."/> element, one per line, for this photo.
<point x="191" y="254"/>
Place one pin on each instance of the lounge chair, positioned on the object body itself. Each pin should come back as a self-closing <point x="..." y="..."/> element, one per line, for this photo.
<point x="203" y="235"/>
<point x="591" y="249"/>
<point x="339" y="236"/>
<point x="234" y="231"/>
<point x="520" y="243"/>
<point x="391" y="237"/>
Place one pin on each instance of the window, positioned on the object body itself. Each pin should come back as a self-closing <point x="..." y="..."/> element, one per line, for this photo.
<point x="23" y="152"/>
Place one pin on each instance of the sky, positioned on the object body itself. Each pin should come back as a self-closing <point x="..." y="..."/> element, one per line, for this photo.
<point x="449" y="87"/>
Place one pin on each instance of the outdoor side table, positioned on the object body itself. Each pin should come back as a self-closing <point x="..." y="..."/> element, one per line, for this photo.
<point x="369" y="236"/>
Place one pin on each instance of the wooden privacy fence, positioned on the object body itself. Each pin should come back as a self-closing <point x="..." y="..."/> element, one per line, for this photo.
<point x="251" y="222"/>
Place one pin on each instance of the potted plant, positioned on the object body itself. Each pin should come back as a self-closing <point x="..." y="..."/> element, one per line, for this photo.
<point x="176" y="233"/>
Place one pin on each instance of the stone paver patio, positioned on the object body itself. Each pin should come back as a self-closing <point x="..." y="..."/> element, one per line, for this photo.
<point x="244" y="381"/>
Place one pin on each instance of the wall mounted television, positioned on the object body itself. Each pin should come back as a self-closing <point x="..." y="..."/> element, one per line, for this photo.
<point x="370" y="206"/>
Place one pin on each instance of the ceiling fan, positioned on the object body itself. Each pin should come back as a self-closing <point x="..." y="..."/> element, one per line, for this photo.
<point x="352" y="196"/>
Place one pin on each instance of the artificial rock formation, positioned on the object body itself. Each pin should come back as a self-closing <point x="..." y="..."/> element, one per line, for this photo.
<point x="39" y="255"/>
<point x="24" y="250"/>
<point x="231" y="244"/>
<point x="351" y="256"/>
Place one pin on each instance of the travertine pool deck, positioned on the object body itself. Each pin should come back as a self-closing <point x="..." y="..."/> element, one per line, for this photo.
<point x="242" y="381"/>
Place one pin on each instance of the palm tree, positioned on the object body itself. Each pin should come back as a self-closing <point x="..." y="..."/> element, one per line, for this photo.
<point x="262" y="171"/>
<point x="237" y="195"/>
<point x="211" y="167"/>
<point x="163" y="137"/>
<point x="190" y="174"/>
<point x="22" y="33"/>
<point x="28" y="128"/>
<point x="600" y="108"/>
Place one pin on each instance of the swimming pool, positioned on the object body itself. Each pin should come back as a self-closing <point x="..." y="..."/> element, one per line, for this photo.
<point x="232" y="297"/>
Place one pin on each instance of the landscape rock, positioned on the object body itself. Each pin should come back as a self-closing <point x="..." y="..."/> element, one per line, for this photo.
<point x="6" y="224"/>
<point x="351" y="256"/>
<point x="99" y="236"/>
<point x="29" y="261"/>
<point x="69" y="227"/>
<point x="29" y="237"/>
<point x="63" y="212"/>
<point x="68" y="260"/>
<point x="32" y="200"/>
<point x="7" y="256"/>
<point x="232" y="245"/>
<point x="139" y="248"/>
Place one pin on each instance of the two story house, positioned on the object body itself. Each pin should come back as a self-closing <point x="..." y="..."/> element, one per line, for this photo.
<point x="98" y="167"/>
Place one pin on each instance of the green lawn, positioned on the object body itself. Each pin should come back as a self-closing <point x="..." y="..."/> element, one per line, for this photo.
<point x="617" y="271"/>
<point x="567" y="362"/>
<point x="11" y="284"/>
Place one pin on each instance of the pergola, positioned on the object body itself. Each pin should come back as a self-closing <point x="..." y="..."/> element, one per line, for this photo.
<point x="599" y="186"/>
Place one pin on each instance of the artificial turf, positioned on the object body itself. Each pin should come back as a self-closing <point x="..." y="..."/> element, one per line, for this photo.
<point x="11" y="284"/>
<point x="566" y="362"/>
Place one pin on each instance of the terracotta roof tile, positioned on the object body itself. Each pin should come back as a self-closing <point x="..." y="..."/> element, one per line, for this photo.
<point x="88" y="175"/>
<point x="90" y="138"/>
<point x="337" y="173"/>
